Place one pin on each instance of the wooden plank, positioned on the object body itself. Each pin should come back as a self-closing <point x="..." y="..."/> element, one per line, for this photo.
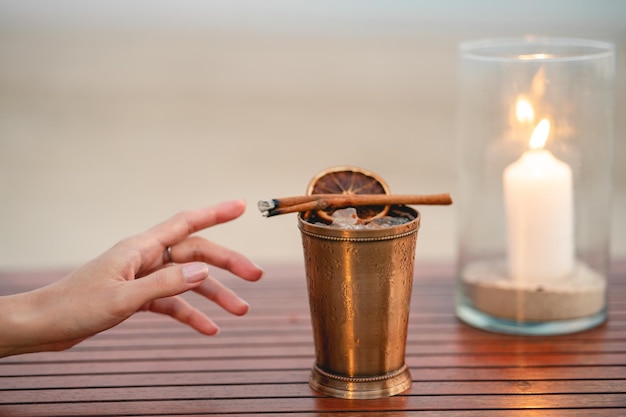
<point x="597" y="412"/>
<point x="203" y="405"/>
<point x="491" y="354"/>
<point x="286" y="376"/>
<point x="189" y="363"/>
<point x="299" y="390"/>
<point x="303" y="340"/>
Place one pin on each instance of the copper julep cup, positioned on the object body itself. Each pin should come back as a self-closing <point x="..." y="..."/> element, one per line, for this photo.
<point x="359" y="284"/>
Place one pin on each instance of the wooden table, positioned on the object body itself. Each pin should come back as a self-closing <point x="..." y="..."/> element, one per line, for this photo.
<point x="260" y="363"/>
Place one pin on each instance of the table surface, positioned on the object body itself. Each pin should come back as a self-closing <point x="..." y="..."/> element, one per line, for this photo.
<point x="260" y="363"/>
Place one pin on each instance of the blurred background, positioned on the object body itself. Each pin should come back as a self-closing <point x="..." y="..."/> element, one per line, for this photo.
<point x="115" y="114"/>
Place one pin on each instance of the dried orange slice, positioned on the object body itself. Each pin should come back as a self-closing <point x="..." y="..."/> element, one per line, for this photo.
<point x="349" y="180"/>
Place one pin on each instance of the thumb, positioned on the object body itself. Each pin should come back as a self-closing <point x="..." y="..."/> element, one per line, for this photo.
<point x="170" y="281"/>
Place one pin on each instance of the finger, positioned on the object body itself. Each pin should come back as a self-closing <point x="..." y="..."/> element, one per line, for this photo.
<point x="223" y="296"/>
<point x="197" y="248"/>
<point x="182" y="311"/>
<point x="165" y="282"/>
<point x="185" y="223"/>
<point x="151" y="245"/>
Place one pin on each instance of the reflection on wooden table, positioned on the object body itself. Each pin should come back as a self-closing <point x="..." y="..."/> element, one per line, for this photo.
<point x="260" y="363"/>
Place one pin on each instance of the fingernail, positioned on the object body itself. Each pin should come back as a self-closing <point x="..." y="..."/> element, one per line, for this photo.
<point x="195" y="272"/>
<point x="259" y="268"/>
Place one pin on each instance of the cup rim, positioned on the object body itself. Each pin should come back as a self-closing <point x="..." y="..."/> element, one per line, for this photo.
<point x="392" y="232"/>
<point x="476" y="49"/>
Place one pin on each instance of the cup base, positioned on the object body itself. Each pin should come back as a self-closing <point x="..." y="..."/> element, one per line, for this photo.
<point x="340" y="386"/>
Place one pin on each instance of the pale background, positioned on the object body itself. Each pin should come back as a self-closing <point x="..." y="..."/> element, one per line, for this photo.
<point x="116" y="114"/>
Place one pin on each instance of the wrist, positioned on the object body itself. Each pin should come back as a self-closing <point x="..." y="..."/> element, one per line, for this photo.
<point x="18" y="324"/>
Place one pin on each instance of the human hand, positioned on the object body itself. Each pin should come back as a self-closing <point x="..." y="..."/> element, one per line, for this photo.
<point x="142" y="272"/>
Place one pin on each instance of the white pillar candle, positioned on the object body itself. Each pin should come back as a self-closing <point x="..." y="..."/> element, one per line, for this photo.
<point x="539" y="214"/>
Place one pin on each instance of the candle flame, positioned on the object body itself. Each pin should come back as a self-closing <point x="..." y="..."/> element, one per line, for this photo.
<point x="539" y="82"/>
<point x="524" y="110"/>
<point x="540" y="134"/>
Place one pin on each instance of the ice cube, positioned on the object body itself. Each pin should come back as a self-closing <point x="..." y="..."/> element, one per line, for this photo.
<point x="348" y="218"/>
<point x="344" y="218"/>
<point x="389" y="221"/>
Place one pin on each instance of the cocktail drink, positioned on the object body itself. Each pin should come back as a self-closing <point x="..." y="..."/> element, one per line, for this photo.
<point x="359" y="283"/>
<point x="359" y="248"/>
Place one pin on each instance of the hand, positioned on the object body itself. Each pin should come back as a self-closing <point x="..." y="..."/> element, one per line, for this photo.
<point x="138" y="273"/>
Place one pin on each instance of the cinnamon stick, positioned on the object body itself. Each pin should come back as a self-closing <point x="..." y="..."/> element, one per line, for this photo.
<point x="296" y="204"/>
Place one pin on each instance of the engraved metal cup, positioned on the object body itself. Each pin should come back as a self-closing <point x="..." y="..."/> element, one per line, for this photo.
<point x="359" y="284"/>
